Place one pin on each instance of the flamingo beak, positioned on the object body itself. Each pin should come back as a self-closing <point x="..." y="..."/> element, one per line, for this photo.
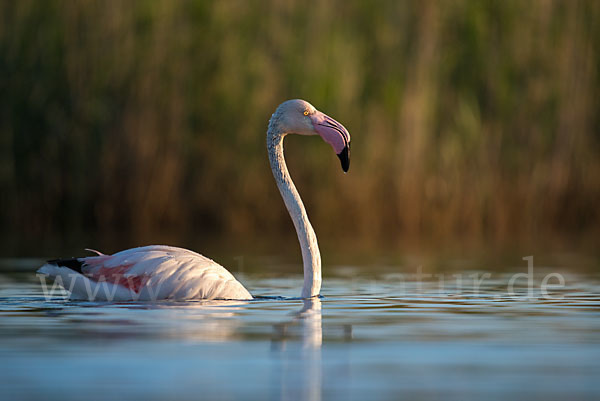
<point x="344" y="156"/>
<point x="334" y="134"/>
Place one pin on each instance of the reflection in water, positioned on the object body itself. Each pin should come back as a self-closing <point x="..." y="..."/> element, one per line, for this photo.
<point x="310" y="318"/>
<point x="299" y="368"/>
<point x="207" y="321"/>
<point x="211" y="321"/>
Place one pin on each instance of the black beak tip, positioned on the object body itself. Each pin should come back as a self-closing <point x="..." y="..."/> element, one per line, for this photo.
<point x="344" y="156"/>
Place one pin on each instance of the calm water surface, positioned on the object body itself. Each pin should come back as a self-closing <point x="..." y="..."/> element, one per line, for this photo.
<point x="376" y="337"/>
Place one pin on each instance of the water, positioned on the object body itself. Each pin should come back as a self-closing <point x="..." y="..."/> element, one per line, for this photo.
<point x="372" y="336"/>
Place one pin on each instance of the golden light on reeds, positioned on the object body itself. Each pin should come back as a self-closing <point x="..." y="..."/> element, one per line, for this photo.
<point x="467" y="117"/>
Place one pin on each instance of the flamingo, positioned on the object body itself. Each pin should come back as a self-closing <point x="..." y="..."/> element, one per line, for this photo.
<point x="163" y="272"/>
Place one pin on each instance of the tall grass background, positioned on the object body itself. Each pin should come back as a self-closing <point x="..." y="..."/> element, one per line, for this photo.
<point x="146" y="119"/>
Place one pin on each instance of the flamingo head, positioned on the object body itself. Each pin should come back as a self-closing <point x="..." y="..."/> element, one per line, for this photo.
<point x="300" y="117"/>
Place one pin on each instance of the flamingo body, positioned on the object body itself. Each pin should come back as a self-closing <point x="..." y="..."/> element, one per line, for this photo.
<point x="148" y="273"/>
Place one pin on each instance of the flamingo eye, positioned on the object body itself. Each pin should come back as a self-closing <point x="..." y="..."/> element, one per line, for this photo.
<point x="305" y="112"/>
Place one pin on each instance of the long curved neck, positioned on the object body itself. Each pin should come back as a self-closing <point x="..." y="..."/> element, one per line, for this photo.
<point x="311" y="257"/>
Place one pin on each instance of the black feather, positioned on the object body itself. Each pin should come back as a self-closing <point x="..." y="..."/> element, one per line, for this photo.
<point x="72" y="263"/>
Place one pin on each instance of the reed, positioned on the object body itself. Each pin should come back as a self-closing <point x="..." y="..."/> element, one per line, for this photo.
<point x="468" y="118"/>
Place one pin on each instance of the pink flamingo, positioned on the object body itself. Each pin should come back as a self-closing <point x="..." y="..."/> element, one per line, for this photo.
<point x="163" y="272"/>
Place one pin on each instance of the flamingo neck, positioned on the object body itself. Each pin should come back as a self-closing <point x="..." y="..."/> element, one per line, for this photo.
<point x="311" y="258"/>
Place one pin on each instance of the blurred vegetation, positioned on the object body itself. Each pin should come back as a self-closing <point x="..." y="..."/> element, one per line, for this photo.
<point x="468" y="118"/>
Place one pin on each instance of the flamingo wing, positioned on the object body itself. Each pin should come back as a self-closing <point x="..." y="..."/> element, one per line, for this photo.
<point x="147" y="273"/>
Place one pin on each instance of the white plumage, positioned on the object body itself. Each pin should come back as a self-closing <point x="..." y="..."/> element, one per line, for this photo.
<point x="149" y="273"/>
